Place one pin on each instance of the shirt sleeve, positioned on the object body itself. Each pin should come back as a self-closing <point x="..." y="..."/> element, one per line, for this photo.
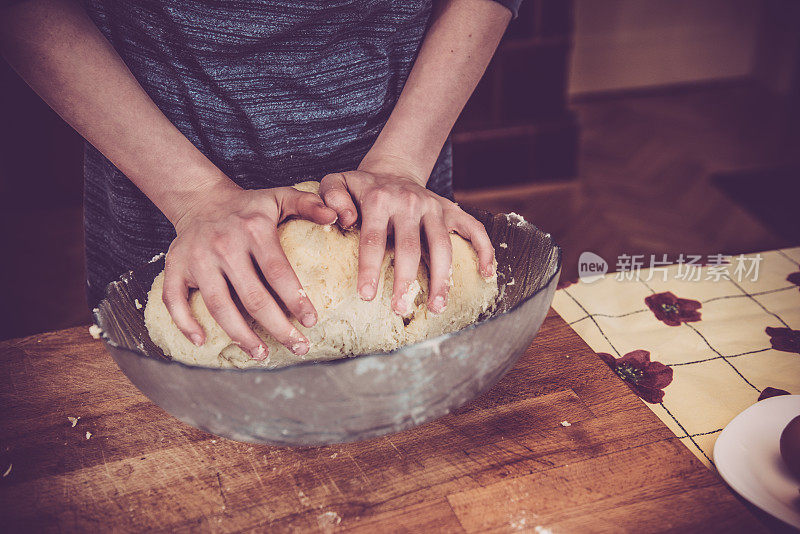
<point x="512" y="5"/>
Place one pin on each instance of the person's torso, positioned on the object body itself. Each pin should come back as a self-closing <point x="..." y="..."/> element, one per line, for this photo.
<point x="267" y="88"/>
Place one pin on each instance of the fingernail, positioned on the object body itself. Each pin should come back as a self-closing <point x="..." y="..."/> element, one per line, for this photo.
<point x="197" y="339"/>
<point x="438" y="305"/>
<point x="367" y="291"/>
<point x="259" y="353"/>
<point x="300" y="344"/>
<point x="488" y="271"/>
<point x="309" y="320"/>
<point x="347" y="215"/>
<point x="300" y="348"/>
<point x="401" y="306"/>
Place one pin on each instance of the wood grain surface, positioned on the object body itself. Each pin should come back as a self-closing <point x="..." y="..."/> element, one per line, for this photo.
<point x="502" y="463"/>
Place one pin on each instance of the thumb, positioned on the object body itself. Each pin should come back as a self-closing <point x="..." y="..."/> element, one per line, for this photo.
<point x="304" y="205"/>
<point x="333" y="190"/>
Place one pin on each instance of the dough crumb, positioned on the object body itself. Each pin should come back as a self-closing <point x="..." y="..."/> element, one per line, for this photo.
<point x="302" y="292"/>
<point x="503" y="245"/>
<point x="566" y="423"/>
<point x="138" y="304"/>
<point x="334" y="455"/>
<point x="73" y="420"/>
<point x="156" y="257"/>
<point x="407" y="298"/>
<point x="261" y="353"/>
<point x="95" y="331"/>
<point x="516" y="218"/>
<point x="8" y="471"/>
<point x="88" y="434"/>
<point x="512" y="282"/>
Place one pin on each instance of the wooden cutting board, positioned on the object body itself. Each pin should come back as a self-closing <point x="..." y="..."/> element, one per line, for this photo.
<point x="502" y="463"/>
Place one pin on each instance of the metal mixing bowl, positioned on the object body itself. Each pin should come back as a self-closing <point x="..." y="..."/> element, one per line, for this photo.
<point x="353" y="398"/>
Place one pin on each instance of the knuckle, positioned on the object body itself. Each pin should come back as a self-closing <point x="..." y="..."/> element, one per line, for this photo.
<point x="220" y="245"/>
<point x="254" y="224"/>
<point x="408" y="243"/>
<point x="275" y="269"/>
<point x="215" y="302"/>
<point x="372" y="239"/>
<point x="443" y="243"/>
<point x="255" y="299"/>
<point x="379" y="197"/>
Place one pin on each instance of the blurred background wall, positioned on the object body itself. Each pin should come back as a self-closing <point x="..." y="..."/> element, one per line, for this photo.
<point x="635" y="126"/>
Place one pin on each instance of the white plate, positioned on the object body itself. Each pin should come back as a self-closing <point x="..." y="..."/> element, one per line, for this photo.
<point x="747" y="456"/>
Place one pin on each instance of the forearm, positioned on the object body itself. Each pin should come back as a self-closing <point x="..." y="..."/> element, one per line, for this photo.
<point x="60" y="53"/>
<point x="451" y="61"/>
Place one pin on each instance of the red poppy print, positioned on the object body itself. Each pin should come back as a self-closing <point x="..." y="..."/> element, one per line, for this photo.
<point x="647" y="379"/>
<point x="672" y="310"/>
<point x="784" y="339"/>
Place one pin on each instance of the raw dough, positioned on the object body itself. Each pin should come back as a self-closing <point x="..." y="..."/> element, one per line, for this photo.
<point x="326" y="262"/>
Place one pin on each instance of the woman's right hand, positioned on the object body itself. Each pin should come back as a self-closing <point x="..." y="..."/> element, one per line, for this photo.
<point x="222" y="239"/>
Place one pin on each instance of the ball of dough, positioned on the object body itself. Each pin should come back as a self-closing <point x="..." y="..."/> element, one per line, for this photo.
<point x="325" y="259"/>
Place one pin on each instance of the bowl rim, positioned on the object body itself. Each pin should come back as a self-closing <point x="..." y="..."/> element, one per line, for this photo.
<point x="338" y="361"/>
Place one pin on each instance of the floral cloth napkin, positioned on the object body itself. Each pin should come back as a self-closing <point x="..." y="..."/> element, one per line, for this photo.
<point x="697" y="346"/>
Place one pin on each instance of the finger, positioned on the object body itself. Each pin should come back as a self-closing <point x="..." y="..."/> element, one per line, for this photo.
<point x="305" y="205"/>
<point x="371" y="249"/>
<point x="175" y="295"/>
<point x="469" y="228"/>
<point x="440" y="251"/>
<point x="218" y="300"/>
<point x="333" y="190"/>
<point x="281" y="277"/>
<point x="406" y="264"/>
<point x="262" y="307"/>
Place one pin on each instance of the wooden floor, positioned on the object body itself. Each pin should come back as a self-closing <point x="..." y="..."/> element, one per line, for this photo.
<point x="644" y="186"/>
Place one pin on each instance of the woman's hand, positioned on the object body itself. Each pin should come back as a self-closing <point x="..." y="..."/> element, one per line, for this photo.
<point x="221" y="240"/>
<point x="391" y="200"/>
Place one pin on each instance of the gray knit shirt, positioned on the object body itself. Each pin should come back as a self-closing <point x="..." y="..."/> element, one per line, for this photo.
<point x="273" y="92"/>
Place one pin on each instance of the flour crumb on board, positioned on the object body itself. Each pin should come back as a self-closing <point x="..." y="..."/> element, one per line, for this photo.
<point x="518" y="524"/>
<point x="328" y="520"/>
<point x="304" y="500"/>
<point x="8" y="471"/>
<point x="156" y="257"/>
<point x="511" y="282"/>
<point x="88" y="434"/>
<point x="95" y="331"/>
<point x="73" y="420"/>
<point x="334" y="455"/>
<point x="566" y="423"/>
<point x="137" y="304"/>
<point x="503" y="245"/>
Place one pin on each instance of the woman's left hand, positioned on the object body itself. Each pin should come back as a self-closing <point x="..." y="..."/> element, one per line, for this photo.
<point x="393" y="201"/>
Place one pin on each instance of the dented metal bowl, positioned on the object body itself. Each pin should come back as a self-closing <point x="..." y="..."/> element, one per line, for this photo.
<point x="349" y="399"/>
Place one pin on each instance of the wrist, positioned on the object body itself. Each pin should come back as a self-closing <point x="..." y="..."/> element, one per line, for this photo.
<point x="196" y="195"/>
<point x="394" y="165"/>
